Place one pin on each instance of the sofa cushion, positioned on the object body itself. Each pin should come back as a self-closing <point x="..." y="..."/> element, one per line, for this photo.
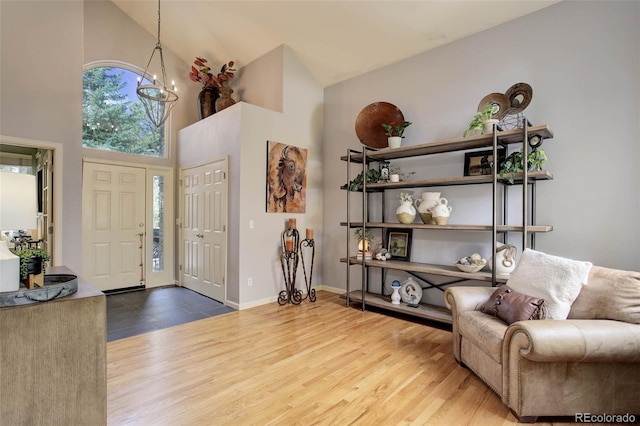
<point x="609" y="294"/>
<point x="511" y="306"/>
<point x="555" y="279"/>
<point x="484" y="331"/>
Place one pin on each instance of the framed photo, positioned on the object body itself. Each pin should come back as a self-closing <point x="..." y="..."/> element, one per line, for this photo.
<point x="481" y="162"/>
<point x="399" y="243"/>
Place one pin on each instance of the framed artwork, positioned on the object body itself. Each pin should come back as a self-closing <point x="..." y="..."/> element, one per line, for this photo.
<point x="481" y="162"/>
<point x="286" y="178"/>
<point x="399" y="243"/>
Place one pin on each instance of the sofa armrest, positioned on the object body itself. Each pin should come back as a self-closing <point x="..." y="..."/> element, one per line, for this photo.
<point x="532" y="349"/>
<point x="573" y="341"/>
<point x="460" y="299"/>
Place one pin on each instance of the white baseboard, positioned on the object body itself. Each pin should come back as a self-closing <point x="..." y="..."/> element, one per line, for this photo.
<point x="272" y="299"/>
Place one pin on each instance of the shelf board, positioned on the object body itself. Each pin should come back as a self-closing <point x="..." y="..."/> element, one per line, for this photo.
<point x="501" y="228"/>
<point x="451" y="145"/>
<point x="424" y="311"/>
<point x="451" y="181"/>
<point x="426" y="268"/>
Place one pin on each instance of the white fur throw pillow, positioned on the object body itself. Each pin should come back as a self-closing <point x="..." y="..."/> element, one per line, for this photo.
<point x="555" y="279"/>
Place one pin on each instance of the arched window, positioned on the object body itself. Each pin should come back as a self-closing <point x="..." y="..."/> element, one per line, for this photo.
<point x="113" y="119"/>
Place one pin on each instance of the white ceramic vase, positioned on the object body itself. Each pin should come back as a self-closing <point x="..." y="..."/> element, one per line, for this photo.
<point x="395" y="296"/>
<point x="405" y="212"/>
<point x="441" y="212"/>
<point x="505" y="259"/>
<point x="424" y="204"/>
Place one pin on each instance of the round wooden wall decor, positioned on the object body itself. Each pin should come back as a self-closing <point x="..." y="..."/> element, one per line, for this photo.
<point x="368" y="123"/>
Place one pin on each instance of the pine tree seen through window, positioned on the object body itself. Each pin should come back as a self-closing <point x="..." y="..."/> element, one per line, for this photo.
<point x="113" y="118"/>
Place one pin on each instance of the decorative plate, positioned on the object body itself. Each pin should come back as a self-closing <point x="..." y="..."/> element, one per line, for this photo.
<point x="519" y="96"/>
<point x="500" y="100"/>
<point x="368" y="123"/>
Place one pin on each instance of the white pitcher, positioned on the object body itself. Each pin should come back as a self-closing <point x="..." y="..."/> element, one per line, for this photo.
<point x="441" y="212"/>
<point x="425" y="203"/>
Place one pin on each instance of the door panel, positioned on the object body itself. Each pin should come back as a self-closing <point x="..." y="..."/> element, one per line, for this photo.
<point x="113" y="225"/>
<point x="204" y="195"/>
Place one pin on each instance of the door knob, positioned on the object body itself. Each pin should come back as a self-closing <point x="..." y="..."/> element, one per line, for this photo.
<point x="199" y="235"/>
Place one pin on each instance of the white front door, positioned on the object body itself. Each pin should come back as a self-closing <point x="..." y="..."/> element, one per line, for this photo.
<point x="113" y="225"/>
<point x="204" y="229"/>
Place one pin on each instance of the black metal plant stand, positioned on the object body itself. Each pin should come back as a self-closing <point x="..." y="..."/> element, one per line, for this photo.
<point x="308" y="243"/>
<point x="289" y="260"/>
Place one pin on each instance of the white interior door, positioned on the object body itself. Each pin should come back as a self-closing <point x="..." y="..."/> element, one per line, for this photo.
<point x="113" y="225"/>
<point x="204" y="229"/>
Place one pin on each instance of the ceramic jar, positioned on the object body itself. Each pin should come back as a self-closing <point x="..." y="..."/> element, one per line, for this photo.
<point x="441" y="212"/>
<point x="424" y="204"/>
<point x="394" y="141"/>
<point x="225" y="100"/>
<point x="487" y="125"/>
<point x="395" y="297"/>
<point x="505" y="259"/>
<point x="406" y="213"/>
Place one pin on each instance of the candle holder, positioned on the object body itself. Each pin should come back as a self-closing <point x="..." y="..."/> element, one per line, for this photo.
<point x="308" y="243"/>
<point x="289" y="260"/>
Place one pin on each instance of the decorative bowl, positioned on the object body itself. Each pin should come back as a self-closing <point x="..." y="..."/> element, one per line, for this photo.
<point x="469" y="268"/>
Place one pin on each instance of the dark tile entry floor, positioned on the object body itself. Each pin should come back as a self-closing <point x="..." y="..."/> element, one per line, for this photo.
<point x="143" y="311"/>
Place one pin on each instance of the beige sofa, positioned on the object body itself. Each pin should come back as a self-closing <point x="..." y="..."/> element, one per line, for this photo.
<point x="587" y="364"/>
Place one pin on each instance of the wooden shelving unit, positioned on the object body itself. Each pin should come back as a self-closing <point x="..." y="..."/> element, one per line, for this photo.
<point x="528" y="228"/>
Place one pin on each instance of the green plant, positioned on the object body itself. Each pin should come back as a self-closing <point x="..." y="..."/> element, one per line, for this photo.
<point x="405" y="197"/>
<point x="27" y="254"/>
<point x="514" y="164"/>
<point x="360" y="236"/>
<point x="373" y="176"/>
<point x="391" y="131"/>
<point x="485" y="114"/>
<point x="204" y="75"/>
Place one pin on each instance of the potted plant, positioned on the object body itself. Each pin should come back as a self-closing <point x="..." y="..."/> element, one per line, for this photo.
<point x="395" y="175"/>
<point x="513" y="163"/>
<point x="483" y="120"/>
<point x="31" y="260"/>
<point x="395" y="134"/>
<point x="372" y="176"/>
<point x="365" y="238"/>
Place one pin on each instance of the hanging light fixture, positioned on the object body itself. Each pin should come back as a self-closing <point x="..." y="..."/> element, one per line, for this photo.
<point x="156" y="98"/>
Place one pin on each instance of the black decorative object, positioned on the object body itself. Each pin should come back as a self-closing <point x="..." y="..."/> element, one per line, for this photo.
<point x="481" y="162"/>
<point x="308" y="243"/>
<point x="289" y="260"/>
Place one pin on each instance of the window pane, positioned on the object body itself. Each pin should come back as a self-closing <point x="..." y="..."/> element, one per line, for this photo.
<point x="158" y="224"/>
<point x="113" y="119"/>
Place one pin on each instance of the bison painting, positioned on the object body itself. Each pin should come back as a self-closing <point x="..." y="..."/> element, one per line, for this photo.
<point x="286" y="178"/>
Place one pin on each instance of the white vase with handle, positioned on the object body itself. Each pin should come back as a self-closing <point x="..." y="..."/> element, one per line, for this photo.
<point x="424" y="204"/>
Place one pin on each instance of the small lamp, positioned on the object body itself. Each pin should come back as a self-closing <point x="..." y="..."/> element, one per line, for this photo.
<point x="18" y="210"/>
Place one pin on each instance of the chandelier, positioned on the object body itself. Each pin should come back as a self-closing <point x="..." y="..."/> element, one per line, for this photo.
<point x="156" y="98"/>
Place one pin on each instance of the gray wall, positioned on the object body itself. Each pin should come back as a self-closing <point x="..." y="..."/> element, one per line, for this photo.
<point x="41" y="94"/>
<point x="242" y="132"/>
<point x="582" y="60"/>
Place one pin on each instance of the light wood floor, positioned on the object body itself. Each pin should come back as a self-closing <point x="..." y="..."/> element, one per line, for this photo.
<point x="317" y="363"/>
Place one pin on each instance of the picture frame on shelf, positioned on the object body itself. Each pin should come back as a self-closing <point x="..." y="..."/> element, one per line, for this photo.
<point x="399" y="243"/>
<point x="479" y="163"/>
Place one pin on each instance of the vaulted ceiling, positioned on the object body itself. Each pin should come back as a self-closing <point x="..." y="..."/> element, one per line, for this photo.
<point x="336" y="40"/>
